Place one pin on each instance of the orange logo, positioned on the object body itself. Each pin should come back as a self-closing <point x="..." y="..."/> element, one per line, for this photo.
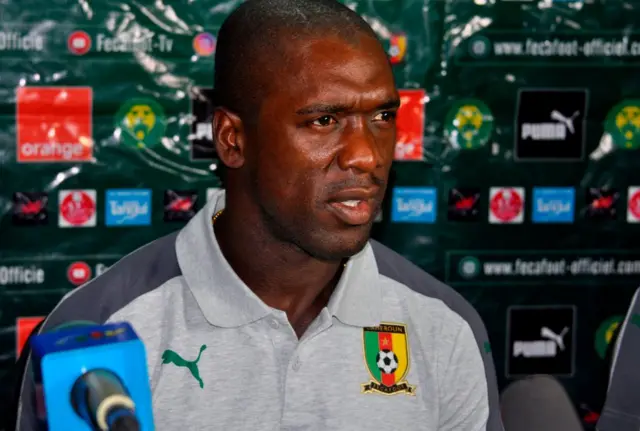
<point x="54" y="124"/>
<point x="410" y="125"/>
<point x="24" y="327"/>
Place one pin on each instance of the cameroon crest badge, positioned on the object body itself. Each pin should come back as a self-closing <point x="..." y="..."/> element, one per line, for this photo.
<point x="386" y="354"/>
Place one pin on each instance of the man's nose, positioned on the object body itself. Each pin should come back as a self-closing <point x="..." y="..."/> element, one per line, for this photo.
<point x="360" y="150"/>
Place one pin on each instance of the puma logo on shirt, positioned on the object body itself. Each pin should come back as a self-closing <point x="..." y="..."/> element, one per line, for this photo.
<point x="171" y="357"/>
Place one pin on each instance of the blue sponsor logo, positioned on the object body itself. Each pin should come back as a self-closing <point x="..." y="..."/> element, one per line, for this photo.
<point x="414" y="205"/>
<point x="553" y="205"/>
<point x="128" y="207"/>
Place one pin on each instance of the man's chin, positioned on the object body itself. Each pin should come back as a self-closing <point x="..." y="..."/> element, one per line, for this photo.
<point x="337" y="248"/>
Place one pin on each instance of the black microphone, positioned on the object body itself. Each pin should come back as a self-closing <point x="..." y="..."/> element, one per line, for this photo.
<point x="100" y="398"/>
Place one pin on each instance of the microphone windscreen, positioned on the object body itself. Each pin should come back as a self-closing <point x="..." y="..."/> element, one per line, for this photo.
<point x="538" y="403"/>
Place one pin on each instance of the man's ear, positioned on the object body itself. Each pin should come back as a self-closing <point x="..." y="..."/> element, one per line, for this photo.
<point x="229" y="137"/>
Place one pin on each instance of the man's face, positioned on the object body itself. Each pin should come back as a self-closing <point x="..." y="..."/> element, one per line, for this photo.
<point x="322" y="148"/>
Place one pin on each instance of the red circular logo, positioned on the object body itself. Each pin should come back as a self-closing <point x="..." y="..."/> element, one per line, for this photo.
<point x="79" y="42"/>
<point x="634" y="205"/>
<point x="77" y="208"/>
<point x="506" y="205"/>
<point x="79" y="273"/>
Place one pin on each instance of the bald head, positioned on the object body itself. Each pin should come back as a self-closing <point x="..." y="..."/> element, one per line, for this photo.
<point x="252" y="45"/>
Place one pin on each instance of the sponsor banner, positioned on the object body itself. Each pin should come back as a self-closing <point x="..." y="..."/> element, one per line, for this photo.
<point x="77" y="208"/>
<point x="414" y="205"/>
<point x="601" y="204"/>
<point x="128" y="207"/>
<point x="30" y="209"/>
<point x="140" y="123"/>
<point x="464" y="204"/>
<point x="540" y="340"/>
<point x="54" y="124"/>
<point x="498" y="268"/>
<point x="410" y="125"/>
<point x="180" y="205"/>
<point x="633" y="205"/>
<point x="51" y="273"/>
<point x="592" y="48"/>
<point x="623" y="124"/>
<point x="506" y="205"/>
<point x="468" y="124"/>
<point x="24" y="327"/>
<point x="143" y="128"/>
<point x="553" y="205"/>
<point x="550" y="124"/>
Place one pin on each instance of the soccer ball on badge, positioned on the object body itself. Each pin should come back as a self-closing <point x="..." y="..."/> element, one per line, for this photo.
<point x="387" y="361"/>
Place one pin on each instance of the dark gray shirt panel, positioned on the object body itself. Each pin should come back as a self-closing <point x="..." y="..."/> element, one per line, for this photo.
<point x="131" y="277"/>
<point x="396" y="267"/>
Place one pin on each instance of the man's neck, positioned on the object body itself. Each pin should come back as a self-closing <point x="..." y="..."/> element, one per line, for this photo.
<point x="279" y="273"/>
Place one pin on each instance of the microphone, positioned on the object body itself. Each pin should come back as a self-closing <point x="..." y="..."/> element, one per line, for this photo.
<point x="94" y="378"/>
<point x="538" y="402"/>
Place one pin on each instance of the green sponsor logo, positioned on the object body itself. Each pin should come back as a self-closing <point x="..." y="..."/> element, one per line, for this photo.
<point x="468" y="124"/>
<point x="171" y="357"/>
<point x="469" y="267"/>
<point x="605" y="333"/>
<point x="623" y="124"/>
<point x="141" y="122"/>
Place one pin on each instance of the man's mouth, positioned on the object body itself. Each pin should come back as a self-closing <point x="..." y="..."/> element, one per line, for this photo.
<point x="353" y="212"/>
<point x="354" y="207"/>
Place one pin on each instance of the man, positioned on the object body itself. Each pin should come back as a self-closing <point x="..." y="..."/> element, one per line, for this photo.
<point x="272" y="309"/>
<point x="621" y="400"/>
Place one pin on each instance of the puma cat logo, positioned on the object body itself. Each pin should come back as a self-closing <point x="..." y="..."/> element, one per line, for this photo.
<point x="171" y="357"/>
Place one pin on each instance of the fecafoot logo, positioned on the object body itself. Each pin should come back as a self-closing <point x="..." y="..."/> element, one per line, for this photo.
<point x="141" y="123"/>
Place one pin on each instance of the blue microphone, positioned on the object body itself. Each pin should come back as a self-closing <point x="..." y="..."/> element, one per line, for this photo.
<point x="94" y="378"/>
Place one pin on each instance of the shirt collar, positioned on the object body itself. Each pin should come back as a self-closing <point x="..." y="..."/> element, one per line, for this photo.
<point x="227" y="302"/>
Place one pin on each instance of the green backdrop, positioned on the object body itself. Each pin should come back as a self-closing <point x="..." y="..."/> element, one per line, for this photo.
<point x="129" y="80"/>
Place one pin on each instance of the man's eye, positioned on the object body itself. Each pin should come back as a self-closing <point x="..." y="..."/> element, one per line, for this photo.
<point x="386" y="116"/>
<point x="324" y="121"/>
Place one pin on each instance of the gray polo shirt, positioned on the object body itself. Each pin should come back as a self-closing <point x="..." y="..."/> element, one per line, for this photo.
<point x="394" y="349"/>
<point x="621" y="410"/>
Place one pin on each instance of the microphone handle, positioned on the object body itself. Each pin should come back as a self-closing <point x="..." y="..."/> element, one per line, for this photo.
<point x="122" y="419"/>
<point x="99" y="397"/>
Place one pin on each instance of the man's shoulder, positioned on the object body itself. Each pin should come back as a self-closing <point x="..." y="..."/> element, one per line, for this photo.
<point x="399" y="269"/>
<point x="136" y="274"/>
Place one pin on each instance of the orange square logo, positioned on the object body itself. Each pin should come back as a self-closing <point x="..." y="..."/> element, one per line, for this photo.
<point x="54" y="124"/>
<point x="24" y="327"/>
<point x="410" y="125"/>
